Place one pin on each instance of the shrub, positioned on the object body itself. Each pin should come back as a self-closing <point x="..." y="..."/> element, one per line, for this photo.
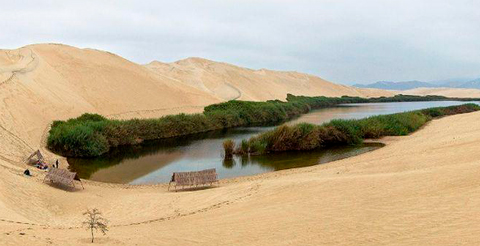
<point x="82" y="139"/>
<point x="257" y="146"/>
<point x="243" y="148"/>
<point x="92" y="135"/>
<point x="91" y="117"/>
<point x="228" y="146"/>
<point x="348" y="132"/>
<point x="350" y="129"/>
<point x="299" y="137"/>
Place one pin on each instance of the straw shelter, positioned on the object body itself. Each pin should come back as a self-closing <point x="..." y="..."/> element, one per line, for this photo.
<point x="39" y="157"/>
<point x="62" y="176"/>
<point x="204" y="177"/>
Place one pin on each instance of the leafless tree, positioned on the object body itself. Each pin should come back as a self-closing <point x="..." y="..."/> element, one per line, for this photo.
<point x="95" y="221"/>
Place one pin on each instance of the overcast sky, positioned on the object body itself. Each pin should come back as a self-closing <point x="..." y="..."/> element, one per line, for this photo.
<point x="342" y="41"/>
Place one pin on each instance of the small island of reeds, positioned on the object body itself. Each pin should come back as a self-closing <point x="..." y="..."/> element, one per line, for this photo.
<point x="303" y="136"/>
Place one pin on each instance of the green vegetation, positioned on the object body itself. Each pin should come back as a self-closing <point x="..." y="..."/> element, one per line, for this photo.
<point x="302" y="137"/>
<point x="92" y="135"/>
<point x="229" y="146"/>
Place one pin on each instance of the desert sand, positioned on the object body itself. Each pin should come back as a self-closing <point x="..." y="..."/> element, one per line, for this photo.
<point x="47" y="82"/>
<point x="448" y="92"/>
<point x="418" y="190"/>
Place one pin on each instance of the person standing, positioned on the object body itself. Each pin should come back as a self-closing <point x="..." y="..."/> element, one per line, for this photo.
<point x="56" y="164"/>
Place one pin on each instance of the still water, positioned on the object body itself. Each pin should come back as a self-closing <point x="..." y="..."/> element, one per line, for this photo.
<point x="154" y="162"/>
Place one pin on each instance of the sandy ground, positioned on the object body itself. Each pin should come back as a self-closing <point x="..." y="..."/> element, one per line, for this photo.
<point x="421" y="189"/>
<point x="46" y="82"/>
<point x="448" y="92"/>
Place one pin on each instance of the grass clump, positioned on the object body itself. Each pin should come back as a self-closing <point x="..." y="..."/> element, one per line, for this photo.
<point x="242" y="148"/>
<point x="229" y="147"/>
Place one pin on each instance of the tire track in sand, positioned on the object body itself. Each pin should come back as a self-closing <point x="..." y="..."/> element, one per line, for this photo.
<point x="30" y="66"/>
<point x="250" y="192"/>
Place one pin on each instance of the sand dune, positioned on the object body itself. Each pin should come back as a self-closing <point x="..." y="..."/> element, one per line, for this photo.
<point x="448" y="92"/>
<point x="46" y="82"/>
<point x="42" y="83"/>
<point x="232" y="82"/>
<point x="63" y="82"/>
<point x="418" y="190"/>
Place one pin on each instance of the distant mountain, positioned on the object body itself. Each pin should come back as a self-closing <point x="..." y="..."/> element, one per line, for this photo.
<point x="473" y="84"/>
<point x="455" y="82"/>
<point x="407" y="85"/>
<point x="387" y="85"/>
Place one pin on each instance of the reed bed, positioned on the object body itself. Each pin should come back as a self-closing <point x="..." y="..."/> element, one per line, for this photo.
<point x="92" y="135"/>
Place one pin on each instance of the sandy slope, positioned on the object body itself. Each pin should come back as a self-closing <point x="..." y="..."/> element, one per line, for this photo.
<point x="47" y="82"/>
<point x="42" y="83"/>
<point x="421" y="189"/>
<point x="232" y="82"/>
<point x="448" y="92"/>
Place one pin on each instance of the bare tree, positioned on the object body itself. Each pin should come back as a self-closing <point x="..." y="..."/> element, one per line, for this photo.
<point x="95" y="221"/>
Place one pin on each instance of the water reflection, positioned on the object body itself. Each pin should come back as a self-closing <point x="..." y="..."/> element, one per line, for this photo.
<point x="127" y="163"/>
<point x="154" y="162"/>
<point x="287" y="160"/>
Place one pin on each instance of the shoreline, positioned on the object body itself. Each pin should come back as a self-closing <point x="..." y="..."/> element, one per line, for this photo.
<point x="93" y="135"/>
<point x="420" y="189"/>
<point x="95" y="169"/>
<point x="394" y="182"/>
<point x="384" y="140"/>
